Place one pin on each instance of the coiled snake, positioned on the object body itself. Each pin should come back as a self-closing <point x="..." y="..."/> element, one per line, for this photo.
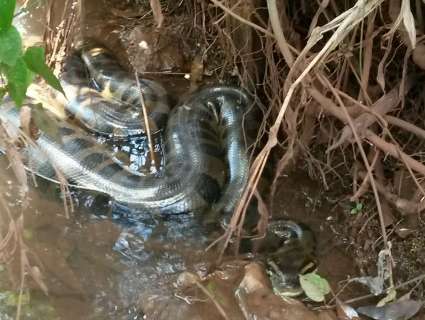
<point x="206" y="164"/>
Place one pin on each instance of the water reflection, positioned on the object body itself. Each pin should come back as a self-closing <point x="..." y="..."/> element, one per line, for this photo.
<point x="97" y="265"/>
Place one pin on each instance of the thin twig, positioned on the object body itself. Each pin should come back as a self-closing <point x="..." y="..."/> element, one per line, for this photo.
<point x="419" y="132"/>
<point x="277" y="30"/>
<point x="157" y="13"/>
<point x="218" y="306"/>
<point x="395" y="151"/>
<point x="366" y="163"/>
<point x="234" y="15"/>
<point x="146" y="122"/>
<point x="365" y="183"/>
<point x="401" y="285"/>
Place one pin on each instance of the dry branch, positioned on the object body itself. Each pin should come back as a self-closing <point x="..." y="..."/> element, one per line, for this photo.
<point x="406" y="126"/>
<point x="387" y="103"/>
<point x="234" y="15"/>
<point x="365" y="183"/>
<point x="395" y="151"/>
<point x="380" y="143"/>
<point x="380" y="179"/>
<point x="157" y="13"/>
<point x="405" y="206"/>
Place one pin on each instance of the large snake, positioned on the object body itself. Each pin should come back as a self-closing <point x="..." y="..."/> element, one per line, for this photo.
<point x="206" y="164"/>
<point x="115" y="111"/>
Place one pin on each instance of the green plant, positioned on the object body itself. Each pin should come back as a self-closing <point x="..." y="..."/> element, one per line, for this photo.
<point x="18" y="67"/>
<point x="314" y="286"/>
<point x="356" y="208"/>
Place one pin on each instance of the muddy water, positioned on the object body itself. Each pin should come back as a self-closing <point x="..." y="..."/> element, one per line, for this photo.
<point x="94" y="267"/>
<point x="111" y="263"/>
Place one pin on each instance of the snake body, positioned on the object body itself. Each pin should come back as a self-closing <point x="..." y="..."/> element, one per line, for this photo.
<point x="205" y="160"/>
<point x="195" y="171"/>
<point x="290" y="250"/>
<point x="115" y="111"/>
<point x="206" y="165"/>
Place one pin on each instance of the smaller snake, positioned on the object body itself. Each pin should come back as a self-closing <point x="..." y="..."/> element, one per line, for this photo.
<point x="114" y="107"/>
<point x="289" y="251"/>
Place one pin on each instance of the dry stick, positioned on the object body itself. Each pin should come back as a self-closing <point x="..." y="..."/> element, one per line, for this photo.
<point x="146" y="121"/>
<point x="213" y="299"/>
<point x="404" y="205"/>
<point x="227" y="12"/>
<point x="11" y="237"/>
<point x="330" y="107"/>
<point x="401" y="285"/>
<point x="343" y="24"/>
<point x="380" y="179"/>
<point x="157" y="13"/>
<point x="366" y="162"/>
<point x="409" y="169"/>
<point x="277" y="30"/>
<point x="365" y="183"/>
<point x="406" y="126"/>
<point x="394" y="151"/>
<point x="237" y="17"/>
<point x="21" y="286"/>
<point x="260" y="161"/>
<point x="383" y="105"/>
<point x="368" y="54"/>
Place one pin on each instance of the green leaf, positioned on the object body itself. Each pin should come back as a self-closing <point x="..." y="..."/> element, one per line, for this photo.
<point x="7" y="9"/>
<point x="18" y="80"/>
<point x="358" y="208"/>
<point x="10" y="46"/>
<point x="314" y="286"/>
<point x="34" y="58"/>
<point x="12" y="298"/>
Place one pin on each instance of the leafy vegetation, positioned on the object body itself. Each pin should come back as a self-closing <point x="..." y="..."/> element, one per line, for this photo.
<point x="18" y="66"/>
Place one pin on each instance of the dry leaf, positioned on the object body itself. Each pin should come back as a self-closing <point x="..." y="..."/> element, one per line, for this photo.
<point x="405" y="15"/>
